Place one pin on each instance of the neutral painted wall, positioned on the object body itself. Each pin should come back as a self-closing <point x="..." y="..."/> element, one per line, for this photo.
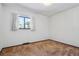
<point x="65" y="26"/>
<point x="0" y="25"/>
<point x="23" y="36"/>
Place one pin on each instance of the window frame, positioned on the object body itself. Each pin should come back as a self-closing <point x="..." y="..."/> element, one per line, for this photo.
<point x="25" y="21"/>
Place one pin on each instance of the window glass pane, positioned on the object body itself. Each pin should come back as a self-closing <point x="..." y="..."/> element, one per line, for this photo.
<point x="27" y="23"/>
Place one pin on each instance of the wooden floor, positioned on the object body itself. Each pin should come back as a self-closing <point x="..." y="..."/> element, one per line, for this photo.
<point x="41" y="48"/>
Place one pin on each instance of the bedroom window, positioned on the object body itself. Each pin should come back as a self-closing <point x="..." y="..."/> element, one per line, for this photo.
<point x="24" y="22"/>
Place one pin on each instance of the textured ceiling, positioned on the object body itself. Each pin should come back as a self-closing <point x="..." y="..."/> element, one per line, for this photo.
<point x="49" y="10"/>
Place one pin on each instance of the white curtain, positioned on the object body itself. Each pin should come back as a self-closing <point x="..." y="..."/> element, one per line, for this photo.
<point x="32" y="24"/>
<point x="14" y="22"/>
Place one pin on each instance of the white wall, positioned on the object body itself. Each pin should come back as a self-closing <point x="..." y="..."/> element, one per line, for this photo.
<point x="2" y="36"/>
<point x="23" y="36"/>
<point x="65" y="26"/>
<point x="0" y="25"/>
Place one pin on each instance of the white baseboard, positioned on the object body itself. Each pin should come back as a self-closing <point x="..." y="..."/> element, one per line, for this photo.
<point x="0" y="49"/>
